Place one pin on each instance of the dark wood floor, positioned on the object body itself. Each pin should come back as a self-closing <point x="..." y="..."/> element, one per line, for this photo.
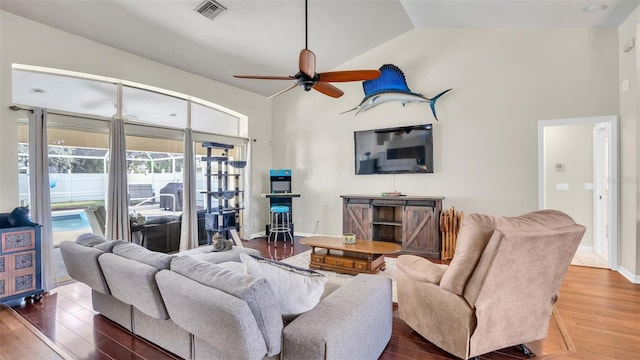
<point x="599" y="309"/>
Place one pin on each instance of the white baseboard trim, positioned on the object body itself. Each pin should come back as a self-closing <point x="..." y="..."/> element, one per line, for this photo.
<point x="635" y="279"/>
<point x="258" y="235"/>
<point x="263" y="234"/>
<point x="585" y="248"/>
<point x="307" y="234"/>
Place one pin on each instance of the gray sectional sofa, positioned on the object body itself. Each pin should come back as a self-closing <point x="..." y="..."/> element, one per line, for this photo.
<point x="194" y="306"/>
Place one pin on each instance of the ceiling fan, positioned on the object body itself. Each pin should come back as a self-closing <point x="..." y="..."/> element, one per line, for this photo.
<point x="307" y="77"/>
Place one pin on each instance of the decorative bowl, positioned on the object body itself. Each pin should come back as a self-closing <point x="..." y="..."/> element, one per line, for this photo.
<point x="349" y="239"/>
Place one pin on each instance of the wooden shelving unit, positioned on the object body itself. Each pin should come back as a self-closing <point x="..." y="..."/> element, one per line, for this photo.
<point x="223" y="193"/>
<point x="410" y="221"/>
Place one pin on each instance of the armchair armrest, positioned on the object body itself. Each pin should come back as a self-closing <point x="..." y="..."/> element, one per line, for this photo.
<point x="354" y="322"/>
<point x="420" y="269"/>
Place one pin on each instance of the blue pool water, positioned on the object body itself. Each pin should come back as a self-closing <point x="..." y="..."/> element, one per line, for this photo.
<point x="70" y="222"/>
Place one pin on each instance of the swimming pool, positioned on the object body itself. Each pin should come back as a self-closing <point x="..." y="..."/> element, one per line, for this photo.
<point x="70" y="222"/>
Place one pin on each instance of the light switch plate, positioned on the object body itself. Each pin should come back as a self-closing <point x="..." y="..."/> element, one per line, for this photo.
<point x="562" y="187"/>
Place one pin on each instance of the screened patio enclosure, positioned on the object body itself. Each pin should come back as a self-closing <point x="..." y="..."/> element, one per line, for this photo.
<point x="78" y="175"/>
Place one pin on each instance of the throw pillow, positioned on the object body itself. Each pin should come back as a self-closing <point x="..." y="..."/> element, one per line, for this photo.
<point x="135" y="252"/>
<point x="108" y="245"/>
<point x="298" y="290"/>
<point x="90" y="239"/>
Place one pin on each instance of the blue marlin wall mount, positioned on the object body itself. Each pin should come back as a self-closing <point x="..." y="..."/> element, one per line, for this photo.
<point x="391" y="86"/>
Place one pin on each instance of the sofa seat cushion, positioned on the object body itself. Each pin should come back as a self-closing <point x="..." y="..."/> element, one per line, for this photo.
<point x="298" y="290"/>
<point x="255" y="291"/>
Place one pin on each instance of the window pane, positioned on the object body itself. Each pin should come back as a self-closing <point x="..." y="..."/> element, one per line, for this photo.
<point x="143" y="106"/>
<point x="58" y="92"/>
<point x="206" y="119"/>
<point x="154" y="177"/>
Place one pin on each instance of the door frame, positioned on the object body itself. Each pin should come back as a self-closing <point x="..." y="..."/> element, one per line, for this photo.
<point x="613" y="221"/>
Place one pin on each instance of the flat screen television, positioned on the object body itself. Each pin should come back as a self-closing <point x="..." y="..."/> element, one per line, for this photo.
<point x="397" y="150"/>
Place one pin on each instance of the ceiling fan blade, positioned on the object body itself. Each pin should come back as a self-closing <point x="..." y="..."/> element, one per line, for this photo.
<point x="283" y="91"/>
<point x="349" y="75"/>
<point x="328" y="89"/>
<point x="308" y="62"/>
<point x="260" y="77"/>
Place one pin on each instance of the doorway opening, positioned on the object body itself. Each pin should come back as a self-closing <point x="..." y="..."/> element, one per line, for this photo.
<point x="577" y="174"/>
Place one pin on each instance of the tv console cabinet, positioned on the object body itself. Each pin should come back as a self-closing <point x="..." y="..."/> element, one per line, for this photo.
<point x="409" y="221"/>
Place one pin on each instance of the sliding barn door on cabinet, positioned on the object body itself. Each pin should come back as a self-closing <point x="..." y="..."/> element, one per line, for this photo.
<point x="419" y="231"/>
<point x="356" y="219"/>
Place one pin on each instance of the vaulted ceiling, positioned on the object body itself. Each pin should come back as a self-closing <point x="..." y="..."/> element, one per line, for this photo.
<point x="265" y="36"/>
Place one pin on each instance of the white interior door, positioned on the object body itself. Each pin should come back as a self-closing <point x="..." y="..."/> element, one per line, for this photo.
<point x="600" y="189"/>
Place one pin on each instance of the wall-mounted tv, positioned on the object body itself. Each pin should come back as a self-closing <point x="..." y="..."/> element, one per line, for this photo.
<point x="397" y="150"/>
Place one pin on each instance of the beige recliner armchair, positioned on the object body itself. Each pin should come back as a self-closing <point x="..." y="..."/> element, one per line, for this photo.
<point x="500" y="287"/>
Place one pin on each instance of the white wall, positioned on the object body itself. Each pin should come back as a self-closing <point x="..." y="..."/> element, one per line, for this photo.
<point x="27" y="42"/>
<point x="571" y="146"/>
<point x="629" y="159"/>
<point x="485" y="144"/>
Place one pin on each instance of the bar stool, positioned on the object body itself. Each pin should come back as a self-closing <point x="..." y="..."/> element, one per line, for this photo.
<point x="280" y="223"/>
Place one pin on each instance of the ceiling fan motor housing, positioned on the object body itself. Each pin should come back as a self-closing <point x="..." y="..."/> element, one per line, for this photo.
<point x="305" y="81"/>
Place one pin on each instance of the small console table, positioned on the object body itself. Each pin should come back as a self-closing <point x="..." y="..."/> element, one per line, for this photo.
<point x="410" y="221"/>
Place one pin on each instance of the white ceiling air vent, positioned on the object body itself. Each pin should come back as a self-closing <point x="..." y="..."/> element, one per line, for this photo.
<point x="210" y="9"/>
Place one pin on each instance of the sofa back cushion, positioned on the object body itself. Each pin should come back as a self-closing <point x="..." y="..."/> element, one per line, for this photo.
<point x="473" y="236"/>
<point x="135" y="252"/>
<point x="130" y="273"/>
<point x="82" y="265"/>
<point x="531" y="228"/>
<point x="476" y="232"/>
<point x="254" y="291"/>
<point x="516" y="284"/>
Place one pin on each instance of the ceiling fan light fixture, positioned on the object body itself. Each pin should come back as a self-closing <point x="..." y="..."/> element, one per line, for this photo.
<point x="210" y="9"/>
<point x="594" y="8"/>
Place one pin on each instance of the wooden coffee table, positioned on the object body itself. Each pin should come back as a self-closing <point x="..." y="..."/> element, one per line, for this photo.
<point x="365" y="256"/>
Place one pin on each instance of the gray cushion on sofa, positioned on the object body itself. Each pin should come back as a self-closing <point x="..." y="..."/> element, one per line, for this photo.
<point x="204" y="253"/>
<point x="222" y="325"/>
<point x="138" y="253"/>
<point x="82" y="265"/>
<point x="108" y="245"/>
<point x="133" y="282"/>
<point x="256" y="292"/>
<point x="90" y="239"/>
